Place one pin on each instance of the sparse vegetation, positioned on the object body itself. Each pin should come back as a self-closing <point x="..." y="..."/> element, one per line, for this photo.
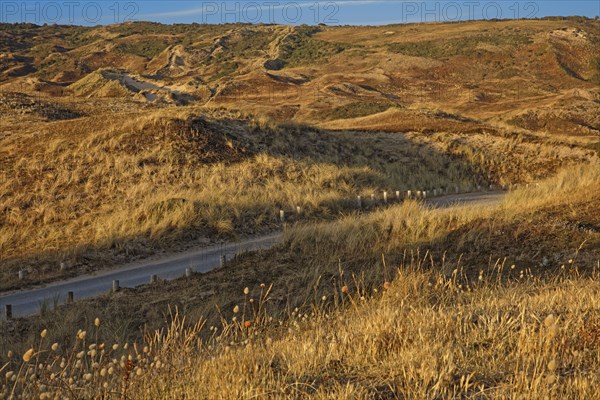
<point x="146" y="47"/>
<point x="302" y="48"/>
<point x="455" y="47"/>
<point x="355" y="109"/>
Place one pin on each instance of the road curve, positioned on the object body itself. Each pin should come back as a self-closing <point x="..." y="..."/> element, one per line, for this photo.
<point x="30" y="301"/>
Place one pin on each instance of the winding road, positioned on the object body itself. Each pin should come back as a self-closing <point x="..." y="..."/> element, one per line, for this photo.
<point x="30" y="301"/>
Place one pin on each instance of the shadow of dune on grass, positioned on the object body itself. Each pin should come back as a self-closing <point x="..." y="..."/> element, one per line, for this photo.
<point x="166" y="182"/>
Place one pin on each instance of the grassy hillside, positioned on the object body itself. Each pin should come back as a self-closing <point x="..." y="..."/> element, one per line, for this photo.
<point x="424" y="335"/>
<point x="464" y="303"/>
<point x="99" y="192"/>
<point x="134" y="140"/>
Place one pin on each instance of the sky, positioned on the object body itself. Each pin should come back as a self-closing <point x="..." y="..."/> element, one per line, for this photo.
<point x="342" y="12"/>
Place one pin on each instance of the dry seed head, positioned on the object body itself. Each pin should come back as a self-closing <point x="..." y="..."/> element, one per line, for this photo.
<point x="236" y="309"/>
<point x="550" y="320"/>
<point x="44" y="333"/>
<point x="54" y="347"/>
<point x="552" y="365"/>
<point x="262" y="286"/>
<point x="345" y="289"/>
<point x="28" y="354"/>
<point x="82" y="335"/>
<point x="386" y="285"/>
<point x="10" y="354"/>
<point x="97" y="322"/>
<point x="246" y="290"/>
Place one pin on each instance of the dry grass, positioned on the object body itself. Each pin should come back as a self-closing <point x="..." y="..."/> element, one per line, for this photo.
<point x="422" y="336"/>
<point x="427" y="329"/>
<point x="136" y="184"/>
<point x="412" y="225"/>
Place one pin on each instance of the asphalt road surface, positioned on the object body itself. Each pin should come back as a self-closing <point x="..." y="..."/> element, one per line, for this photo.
<point x="30" y="301"/>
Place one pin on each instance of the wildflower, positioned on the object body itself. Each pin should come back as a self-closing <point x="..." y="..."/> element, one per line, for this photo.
<point x="81" y="335"/>
<point x="236" y="309"/>
<point x="54" y="347"/>
<point x="115" y="347"/>
<point x="345" y="289"/>
<point x="44" y="333"/>
<point x="251" y="301"/>
<point x="262" y="285"/>
<point x="246" y="290"/>
<point x="88" y="377"/>
<point x="248" y="324"/>
<point x="552" y="365"/>
<point x="386" y="285"/>
<point x="97" y="322"/>
<point x="10" y="354"/>
<point x="28" y="354"/>
<point x="324" y="298"/>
